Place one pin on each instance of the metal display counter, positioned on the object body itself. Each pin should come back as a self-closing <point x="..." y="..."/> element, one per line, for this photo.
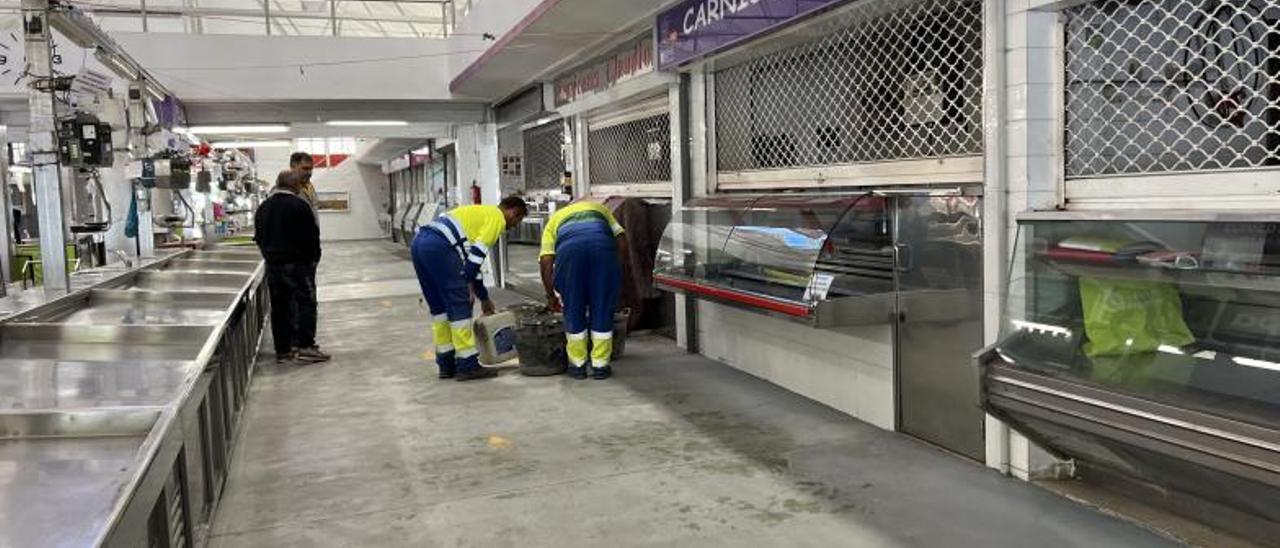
<point x="1142" y="345"/>
<point x="119" y="402"/>
<point x="898" y="266"/>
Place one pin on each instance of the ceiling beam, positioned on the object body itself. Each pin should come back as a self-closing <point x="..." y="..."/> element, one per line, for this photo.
<point x="306" y="111"/>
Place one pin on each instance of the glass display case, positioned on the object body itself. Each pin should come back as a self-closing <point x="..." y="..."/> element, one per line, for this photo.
<point x="1145" y="344"/>
<point x="819" y="259"/>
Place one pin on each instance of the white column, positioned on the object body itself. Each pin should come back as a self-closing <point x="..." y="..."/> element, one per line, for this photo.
<point x="44" y="151"/>
<point x="1030" y="175"/>
<point x="477" y="149"/>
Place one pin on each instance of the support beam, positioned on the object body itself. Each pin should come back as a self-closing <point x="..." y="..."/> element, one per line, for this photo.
<point x="682" y="97"/>
<point x="44" y="151"/>
<point x="138" y="148"/>
<point x="6" y="216"/>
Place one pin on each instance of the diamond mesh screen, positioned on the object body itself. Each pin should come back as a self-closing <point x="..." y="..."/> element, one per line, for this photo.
<point x="1172" y="85"/>
<point x="632" y="152"/>
<point x="544" y="156"/>
<point x="898" y="80"/>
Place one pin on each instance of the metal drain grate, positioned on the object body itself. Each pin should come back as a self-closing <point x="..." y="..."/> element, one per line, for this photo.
<point x="1172" y="85"/>
<point x="898" y="80"/>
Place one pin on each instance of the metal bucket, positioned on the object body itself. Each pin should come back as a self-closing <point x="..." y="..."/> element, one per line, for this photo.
<point x="620" y="321"/>
<point x="540" y="341"/>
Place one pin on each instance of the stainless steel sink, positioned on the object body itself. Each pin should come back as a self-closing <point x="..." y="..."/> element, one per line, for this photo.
<point x="208" y="265"/>
<point x="122" y="307"/>
<point x="27" y="385"/>
<point x="249" y="254"/>
<point x="179" y="281"/>
<point x="103" y="342"/>
<point x="79" y="423"/>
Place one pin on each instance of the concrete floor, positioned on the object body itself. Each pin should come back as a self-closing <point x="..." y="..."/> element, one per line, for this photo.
<point x="371" y="450"/>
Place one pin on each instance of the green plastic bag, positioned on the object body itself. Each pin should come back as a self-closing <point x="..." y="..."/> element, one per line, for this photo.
<point x="1124" y="317"/>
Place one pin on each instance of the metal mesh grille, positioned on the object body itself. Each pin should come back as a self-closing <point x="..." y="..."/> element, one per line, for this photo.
<point x="638" y="151"/>
<point x="1172" y="85"/>
<point x="544" y="156"/>
<point x="898" y="80"/>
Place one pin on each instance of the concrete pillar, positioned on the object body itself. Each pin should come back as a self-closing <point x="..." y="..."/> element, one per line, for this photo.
<point x="687" y="100"/>
<point x="477" y="149"/>
<point x="47" y="173"/>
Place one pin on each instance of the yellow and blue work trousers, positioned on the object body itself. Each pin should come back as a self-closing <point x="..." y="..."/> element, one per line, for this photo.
<point x="445" y="284"/>
<point x="589" y="280"/>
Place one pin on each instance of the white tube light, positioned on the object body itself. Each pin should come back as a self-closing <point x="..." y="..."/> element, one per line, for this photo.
<point x="239" y="130"/>
<point x="19" y="169"/>
<point x="253" y="144"/>
<point x="424" y="151"/>
<point x="366" y="123"/>
<point x="114" y="62"/>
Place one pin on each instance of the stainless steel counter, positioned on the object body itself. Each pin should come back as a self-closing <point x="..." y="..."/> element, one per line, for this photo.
<point x="60" y="492"/>
<point x="118" y="401"/>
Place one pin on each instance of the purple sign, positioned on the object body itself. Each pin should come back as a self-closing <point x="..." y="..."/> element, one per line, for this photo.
<point x="694" y="28"/>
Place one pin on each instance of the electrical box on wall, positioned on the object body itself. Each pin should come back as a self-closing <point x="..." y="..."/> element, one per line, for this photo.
<point x="83" y="141"/>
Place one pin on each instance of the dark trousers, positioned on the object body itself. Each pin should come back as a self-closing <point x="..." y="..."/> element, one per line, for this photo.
<point x="293" y="305"/>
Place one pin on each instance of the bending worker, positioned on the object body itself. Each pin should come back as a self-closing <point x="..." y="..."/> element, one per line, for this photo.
<point x="447" y="254"/>
<point x="582" y="247"/>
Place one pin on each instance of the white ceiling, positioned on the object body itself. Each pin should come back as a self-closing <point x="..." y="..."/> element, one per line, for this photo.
<point x="566" y="34"/>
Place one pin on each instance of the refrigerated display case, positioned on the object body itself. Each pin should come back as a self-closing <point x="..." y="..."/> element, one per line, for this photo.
<point x="1143" y="345"/>
<point x="898" y="266"/>
<point x="827" y="261"/>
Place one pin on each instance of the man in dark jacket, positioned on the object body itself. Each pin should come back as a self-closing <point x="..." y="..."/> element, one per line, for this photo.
<point x="288" y="234"/>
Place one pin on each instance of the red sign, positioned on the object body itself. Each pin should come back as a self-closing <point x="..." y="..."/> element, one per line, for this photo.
<point x="628" y="61"/>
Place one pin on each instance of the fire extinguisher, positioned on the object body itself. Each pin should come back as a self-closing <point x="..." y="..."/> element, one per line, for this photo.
<point x="475" y="193"/>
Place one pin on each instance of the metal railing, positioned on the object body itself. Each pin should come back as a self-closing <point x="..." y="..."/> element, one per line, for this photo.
<point x="1172" y="85"/>
<point x="385" y="18"/>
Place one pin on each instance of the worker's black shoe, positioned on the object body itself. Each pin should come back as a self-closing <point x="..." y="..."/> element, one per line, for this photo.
<point x="476" y="374"/>
<point x="447" y="373"/>
<point x="578" y="372"/>
<point x="311" y="354"/>
<point x="601" y="373"/>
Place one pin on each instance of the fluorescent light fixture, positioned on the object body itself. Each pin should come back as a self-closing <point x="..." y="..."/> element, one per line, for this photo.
<point x="115" y="63"/>
<point x="253" y="144"/>
<point x="366" y="123"/>
<point x="239" y="130"/>
<point x="19" y="169"/>
<point x="1035" y="327"/>
<point x="424" y="151"/>
<point x="1261" y="364"/>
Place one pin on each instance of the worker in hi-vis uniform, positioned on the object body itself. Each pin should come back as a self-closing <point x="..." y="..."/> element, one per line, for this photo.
<point x="447" y="255"/>
<point x="581" y="259"/>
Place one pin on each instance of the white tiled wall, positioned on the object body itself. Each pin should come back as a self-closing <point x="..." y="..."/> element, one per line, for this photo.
<point x="851" y="371"/>
<point x="1032" y="164"/>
